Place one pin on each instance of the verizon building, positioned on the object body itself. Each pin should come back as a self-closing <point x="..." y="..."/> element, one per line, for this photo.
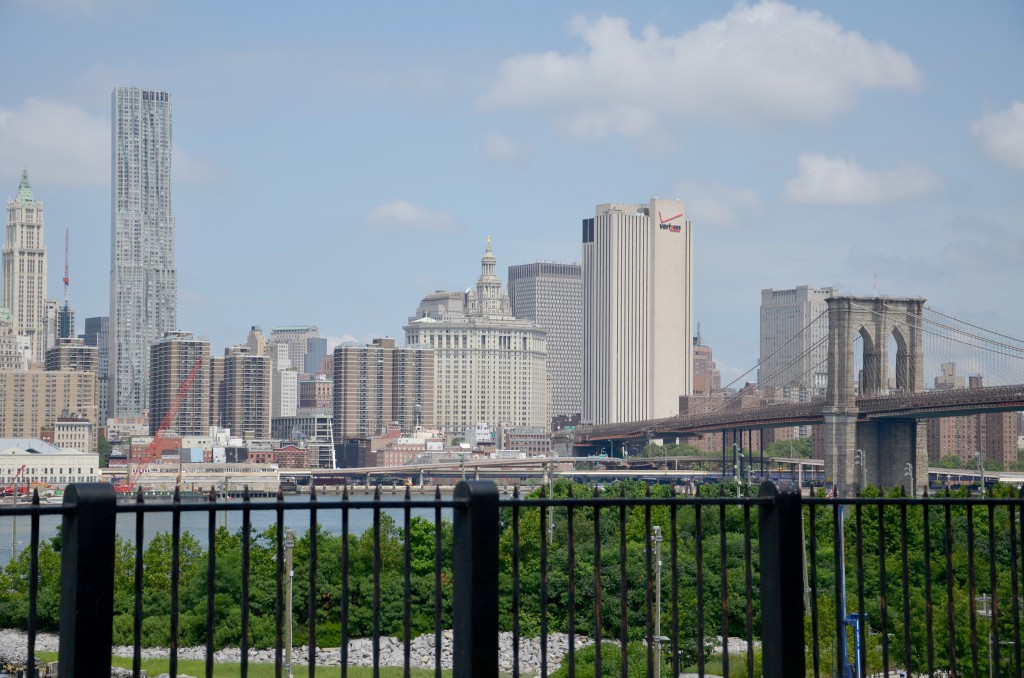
<point x="637" y="311"/>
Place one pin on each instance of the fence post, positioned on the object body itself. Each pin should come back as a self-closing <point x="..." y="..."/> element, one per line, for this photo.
<point x="87" y="580"/>
<point x="475" y="595"/>
<point x="782" y="609"/>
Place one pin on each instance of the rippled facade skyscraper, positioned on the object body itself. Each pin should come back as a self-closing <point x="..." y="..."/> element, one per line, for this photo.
<point x="143" y="278"/>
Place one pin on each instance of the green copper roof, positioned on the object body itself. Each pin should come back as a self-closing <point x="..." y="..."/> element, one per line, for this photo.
<point x="5" y="314"/>
<point x="25" y="189"/>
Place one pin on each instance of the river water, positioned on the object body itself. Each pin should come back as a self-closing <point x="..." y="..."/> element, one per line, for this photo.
<point x="14" y="533"/>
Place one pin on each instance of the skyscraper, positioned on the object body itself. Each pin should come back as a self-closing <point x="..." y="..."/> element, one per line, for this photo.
<point x="551" y="295"/>
<point x="172" y="359"/>
<point x="143" y="279"/>
<point x="97" y="333"/>
<point x="24" y="268"/>
<point x="637" y="311"/>
<point x="790" y="356"/>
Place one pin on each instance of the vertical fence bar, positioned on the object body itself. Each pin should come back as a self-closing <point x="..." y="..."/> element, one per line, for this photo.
<point x="839" y="567"/>
<point x="475" y="599"/>
<point x="597" y="584"/>
<point x="972" y="587"/>
<point x="570" y="537"/>
<point x="87" y="580"/>
<point x="137" y="625"/>
<point x="33" y="583"/>
<point x="950" y="623"/>
<point x="515" y="584"/>
<point x="907" y="636"/>
<point x="345" y="566"/>
<point x="815" y="651"/>
<point x="623" y="592"/>
<point x="313" y="540"/>
<point x="674" y="536"/>
<point x="376" y="582"/>
<point x="544" y="510"/>
<point x="172" y="662"/>
<point x="928" y="601"/>
<point x="883" y="590"/>
<point x="782" y="624"/>
<point x="994" y="589"/>
<point x="698" y="539"/>
<point x="749" y="587"/>
<point x="649" y="571"/>
<point x="723" y="594"/>
<point x="246" y="546"/>
<point x="862" y="633"/>
<point x="407" y="583"/>
<point x="211" y="577"/>
<point x="1014" y="592"/>
<point x="279" y="610"/>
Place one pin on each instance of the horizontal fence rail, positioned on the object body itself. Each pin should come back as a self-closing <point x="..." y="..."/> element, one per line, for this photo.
<point x="631" y="579"/>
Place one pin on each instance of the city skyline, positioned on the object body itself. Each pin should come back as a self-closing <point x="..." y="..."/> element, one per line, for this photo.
<point x="896" y="173"/>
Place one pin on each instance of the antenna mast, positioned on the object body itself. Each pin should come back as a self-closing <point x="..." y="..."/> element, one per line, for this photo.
<point x="67" y="252"/>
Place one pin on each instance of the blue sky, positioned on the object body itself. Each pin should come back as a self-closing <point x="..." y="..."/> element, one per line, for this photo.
<point x="334" y="162"/>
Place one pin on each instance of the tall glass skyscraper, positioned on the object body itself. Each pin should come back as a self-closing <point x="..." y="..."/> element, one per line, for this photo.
<point x="143" y="278"/>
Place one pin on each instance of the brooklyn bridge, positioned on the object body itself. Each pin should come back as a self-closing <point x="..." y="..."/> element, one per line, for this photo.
<point x="874" y="410"/>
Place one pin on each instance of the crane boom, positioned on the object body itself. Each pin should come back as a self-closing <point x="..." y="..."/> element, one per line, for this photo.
<point x="172" y="412"/>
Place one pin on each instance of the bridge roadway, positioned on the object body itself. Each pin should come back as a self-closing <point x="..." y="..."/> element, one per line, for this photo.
<point x="920" y="405"/>
<point x="646" y="468"/>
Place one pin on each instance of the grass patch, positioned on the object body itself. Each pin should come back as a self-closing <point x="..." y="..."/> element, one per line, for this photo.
<point x="155" y="667"/>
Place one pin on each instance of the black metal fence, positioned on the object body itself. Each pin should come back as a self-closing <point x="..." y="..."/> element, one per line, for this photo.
<point x="628" y="581"/>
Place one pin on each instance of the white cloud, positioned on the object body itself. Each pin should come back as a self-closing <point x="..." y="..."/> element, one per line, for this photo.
<point x="401" y="215"/>
<point x="767" y="63"/>
<point x="501" y="149"/>
<point x="1001" y="135"/>
<point x="59" y="143"/>
<point x="333" y="342"/>
<point x="194" y="169"/>
<point x="719" y="205"/>
<point x="841" y="181"/>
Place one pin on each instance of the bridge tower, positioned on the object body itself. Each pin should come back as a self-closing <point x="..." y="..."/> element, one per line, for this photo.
<point x="886" y="445"/>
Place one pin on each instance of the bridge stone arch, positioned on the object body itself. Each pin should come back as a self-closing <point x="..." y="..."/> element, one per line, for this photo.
<point x="885" y="447"/>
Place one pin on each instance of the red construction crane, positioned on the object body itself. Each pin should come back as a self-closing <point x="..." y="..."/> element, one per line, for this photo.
<point x="12" y="489"/>
<point x="172" y="412"/>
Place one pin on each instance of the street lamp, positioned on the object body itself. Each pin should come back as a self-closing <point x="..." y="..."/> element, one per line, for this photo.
<point x="861" y="460"/>
<point x="289" y="545"/>
<point x="981" y="470"/>
<point x="658" y="638"/>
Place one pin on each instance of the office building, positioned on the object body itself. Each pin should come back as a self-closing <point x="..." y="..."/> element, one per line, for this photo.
<point x="245" y="403"/>
<point x="316" y="351"/>
<point x="794" y="353"/>
<point x="313" y="427"/>
<point x="11" y="355"/>
<point x="143" y="278"/>
<point x="72" y="354"/>
<point x="637" y="311"/>
<point x="172" y="360"/>
<point x="551" y="296"/>
<point x="284" y="397"/>
<point x="23" y="283"/>
<point x="31" y="400"/>
<point x="97" y="333"/>
<point x="377" y="384"/>
<point x="316" y="391"/>
<point x="295" y="336"/>
<point x="706" y="378"/>
<point x="490" y="366"/>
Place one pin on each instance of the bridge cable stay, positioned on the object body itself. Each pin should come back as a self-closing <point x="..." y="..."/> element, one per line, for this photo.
<point x="725" y="402"/>
<point x="941" y="336"/>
